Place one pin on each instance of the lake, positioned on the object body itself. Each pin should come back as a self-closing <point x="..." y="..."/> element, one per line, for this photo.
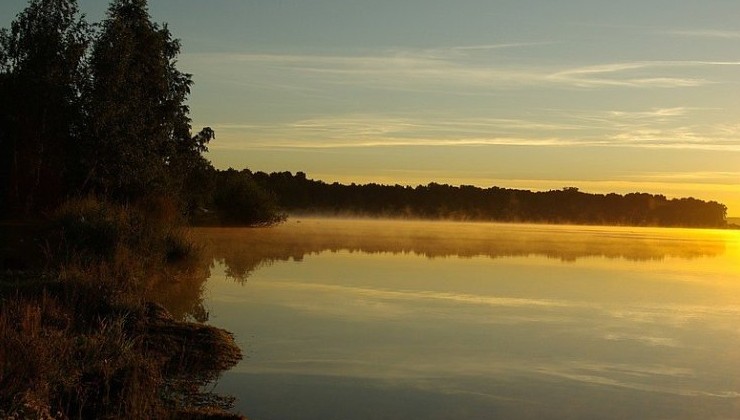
<point x="371" y="319"/>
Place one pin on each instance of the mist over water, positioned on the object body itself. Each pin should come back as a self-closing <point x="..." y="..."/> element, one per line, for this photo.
<point x="390" y="319"/>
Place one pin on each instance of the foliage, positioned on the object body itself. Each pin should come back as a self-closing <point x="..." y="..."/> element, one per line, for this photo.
<point x="238" y="200"/>
<point x="434" y="201"/>
<point x="42" y="74"/>
<point x="104" y="112"/>
<point x="139" y="138"/>
<point x="89" y="230"/>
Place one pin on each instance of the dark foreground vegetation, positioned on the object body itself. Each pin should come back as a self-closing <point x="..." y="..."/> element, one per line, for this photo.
<point x="99" y="171"/>
<point x="298" y="194"/>
<point x="79" y="335"/>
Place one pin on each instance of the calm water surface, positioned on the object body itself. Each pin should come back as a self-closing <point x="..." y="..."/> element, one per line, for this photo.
<point x="348" y="319"/>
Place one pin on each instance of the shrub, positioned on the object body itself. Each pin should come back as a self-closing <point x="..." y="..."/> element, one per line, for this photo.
<point x="90" y="230"/>
<point x="240" y="201"/>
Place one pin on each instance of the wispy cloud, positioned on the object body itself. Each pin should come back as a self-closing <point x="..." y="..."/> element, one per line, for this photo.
<point x="619" y="120"/>
<point x="456" y="66"/>
<point x="652" y="114"/>
<point x="625" y="75"/>
<point x="366" y="131"/>
<point x="390" y="142"/>
<point x="684" y="137"/>
<point x="705" y="33"/>
<point x="500" y="46"/>
<point x="651" y="128"/>
<point x="441" y="73"/>
<point x="683" y="177"/>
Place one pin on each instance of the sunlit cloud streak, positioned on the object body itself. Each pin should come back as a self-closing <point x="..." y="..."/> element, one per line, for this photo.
<point x="588" y="76"/>
<point x="705" y="33"/>
<point x="462" y="66"/>
<point x="652" y="128"/>
<point x="499" y="46"/>
<point x="730" y="177"/>
<point x="595" y="76"/>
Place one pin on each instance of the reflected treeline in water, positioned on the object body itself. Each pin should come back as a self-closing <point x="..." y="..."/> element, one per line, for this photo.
<point x="244" y="250"/>
<point x="180" y="289"/>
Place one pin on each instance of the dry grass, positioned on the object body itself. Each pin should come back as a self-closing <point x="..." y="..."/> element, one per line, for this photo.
<point x="53" y="365"/>
<point x="82" y="342"/>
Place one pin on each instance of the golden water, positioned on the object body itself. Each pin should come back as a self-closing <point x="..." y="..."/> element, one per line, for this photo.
<point x="391" y="319"/>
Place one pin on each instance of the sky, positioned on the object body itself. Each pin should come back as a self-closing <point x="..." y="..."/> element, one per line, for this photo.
<point x="627" y="96"/>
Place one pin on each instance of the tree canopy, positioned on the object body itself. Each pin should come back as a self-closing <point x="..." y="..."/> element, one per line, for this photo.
<point x="42" y="75"/>
<point x="102" y="109"/>
<point x="139" y="136"/>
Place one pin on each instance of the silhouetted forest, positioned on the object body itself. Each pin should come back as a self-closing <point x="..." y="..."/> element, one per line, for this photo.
<point x="101" y="109"/>
<point x="298" y="194"/>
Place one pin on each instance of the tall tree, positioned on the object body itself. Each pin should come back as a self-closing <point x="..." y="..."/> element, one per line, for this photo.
<point x="42" y="73"/>
<point x="139" y="138"/>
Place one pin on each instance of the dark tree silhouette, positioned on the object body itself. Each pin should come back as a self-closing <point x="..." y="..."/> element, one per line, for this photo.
<point x="238" y="200"/>
<point x="298" y="194"/>
<point x="139" y="135"/>
<point x="42" y="74"/>
<point x="104" y="113"/>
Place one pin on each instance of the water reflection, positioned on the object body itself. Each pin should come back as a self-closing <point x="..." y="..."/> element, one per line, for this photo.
<point x="244" y="250"/>
<point x="375" y="319"/>
<point x="180" y="289"/>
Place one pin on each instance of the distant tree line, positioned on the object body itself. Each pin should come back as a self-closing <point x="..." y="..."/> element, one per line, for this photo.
<point x="100" y="109"/>
<point x="296" y="193"/>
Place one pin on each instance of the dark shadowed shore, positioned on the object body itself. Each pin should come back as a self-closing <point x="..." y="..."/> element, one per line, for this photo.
<point x="81" y="337"/>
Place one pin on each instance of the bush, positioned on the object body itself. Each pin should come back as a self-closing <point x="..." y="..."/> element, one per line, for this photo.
<point x="240" y="201"/>
<point x="91" y="230"/>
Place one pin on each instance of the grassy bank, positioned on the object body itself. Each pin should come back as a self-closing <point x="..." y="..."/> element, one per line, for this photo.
<point x="80" y="336"/>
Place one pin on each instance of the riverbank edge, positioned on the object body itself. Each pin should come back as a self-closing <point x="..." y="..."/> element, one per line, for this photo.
<point x="74" y="347"/>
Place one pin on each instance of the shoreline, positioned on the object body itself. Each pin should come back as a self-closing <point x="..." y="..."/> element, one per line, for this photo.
<point x="82" y="331"/>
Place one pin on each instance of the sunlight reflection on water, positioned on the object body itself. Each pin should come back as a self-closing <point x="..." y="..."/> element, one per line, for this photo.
<point x="391" y="319"/>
